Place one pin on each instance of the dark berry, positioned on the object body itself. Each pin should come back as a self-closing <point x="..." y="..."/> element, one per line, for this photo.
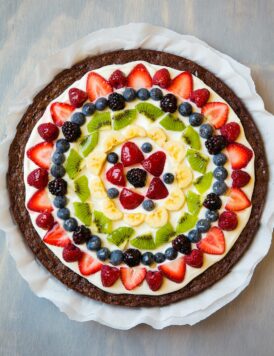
<point x="103" y="254"/>
<point x="168" y="178"/>
<point x="129" y="94"/>
<point x="78" y="118"/>
<point x="156" y="94"/>
<point x="58" y="158"/>
<point x="196" y="119"/>
<point x="182" y="244"/>
<point x="62" y="145"/>
<point x="101" y="104"/>
<point x="203" y="225"/>
<point x="116" y="102"/>
<point x="71" y="131"/>
<point x="220" y="173"/>
<point x="70" y="224"/>
<point x="206" y="131"/>
<point x="38" y="178"/>
<point x="58" y="186"/>
<point x="112" y="157"/>
<point x="219" y="159"/>
<point x="169" y="103"/>
<point x="185" y="109"/>
<point x="45" y="221"/>
<point x="143" y="94"/>
<point x="219" y="188"/>
<point x="112" y="193"/>
<point x="159" y="257"/>
<point x="146" y="147"/>
<point x="94" y="243"/>
<point x="147" y="258"/>
<point x="63" y="213"/>
<point x="194" y="236"/>
<point x="212" y="202"/>
<point x="88" y="109"/>
<point x="81" y="235"/>
<point x="215" y="144"/>
<point x="212" y="215"/>
<point x="116" y="257"/>
<point x="148" y="205"/>
<point x="60" y="202"/>
<point x="171" y="253"/>
<point x="137" y="177"/>
<point x="132" y="257"/>
<point x="57" y="171"/>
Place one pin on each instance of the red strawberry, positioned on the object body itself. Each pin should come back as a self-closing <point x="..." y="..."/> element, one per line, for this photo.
<point x="57" y="236"/>
<point x="116" y="176"/>
<point x="162" y="78"/>
<point x="231" y="131"/>
<point x="48" y="131"/>
<point x="155" y="163"/>
<point x="45" y="221"/>
<point x="97" y="86"/>
<point x="131" y="154"/>
<point x="175" y="270"/>
<point x="40" y="202"/>
<point x="182" y="85"/>
<point x="77" y="97"/>
<point x="129" y="199"/>
<point x="139" y="77"/>
<point x="117" y="79"/>
<point x="238" y="155"/>
<point x="40" y="154"/>
<point x="38" y="178"/>
<point x="71" y="253"/>
<point x="228" y="221"/>
<point x="200" y="97"/>
<point x="60" y="112"/>
<point x="157" y="190"/>
<point x="154" y="280"/>
<point x="240" y="178"/>
<point x="109" y="275"/>
<point x="195" y="258"/>
<point x="88" y="265"/>
<point x="237" y="200"/>
<point x="216" y="113"/>
<point x="214" y="242"/>
<point x="132" y="277"/>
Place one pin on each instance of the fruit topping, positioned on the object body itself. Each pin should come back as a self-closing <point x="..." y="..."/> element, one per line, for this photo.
<point x="200" y="97"/>
<point x="237" y="200"/>
<point x="134" y="219"/>
<point x="157" y="218"/>
<point x="112" y="193"/>
<point x="88" y="265"/>
<point x="103" y="254"/>
<point x="238" y="155"/>
<point x="172" y="123"/>
<point x="132" y="277"/>
<point x="231" y="131"/>
<point x="203" y="225"/>
<point x="38" y="178"/>
<point x="116" y="257"/>
<point x="143" y="94"/>
<point x="220" y="173"/>
<point x="143" y="242"/>
<point x="191" y="138"/>
<point x="182" y="244"/>
<point x="206" y="131"/>
<point x="78" y="118"/>
<point x="139" y="77"/>
<point x="154" y="280"/>
<point x="212" y="215"/>
<point x="81" y="235"/>
<point x="124" y="118"/>
<point x="88" y="109"/>
<point x="109" y="275"/>
<point x="182" y="85"/>
<point x="89" y="142"/>
<point x="219" y="188"/>
<point x="112" y="157"/>
<point x="228" y="221"/>
<point x="164" y="234"/>
<point x="71" y="131"/>
<point x="219" y="159"/>
<point x="216" y="113"/>
<point x="214" y="242"/>
<point x="132" y="257"/>
<point x="162" y="78"/>
<point x="212" y="202"/>
<point x="60" y="112"/>
<point x="169" y="103"/>
<point x="146" y="147"/>
<point x="156" y="94"/>
<point x="40" y="202"/>
<point x="71" y="253"/>
<point x="60" y="202"/>
<point x="196" y="119"/>
<point x="155" y="163"/>
<point x="159" y="257"/>
<point x="81" y="188"/>
<point x="195" y="259"/>
<point x="198" y="161"/>
<point x="215" y="144"/>
<point x="63" y="213"/>
<point x="62" y="145"/>
<point x="101" y="104"/>
<point x="116" y="101"/>
<point x="120" y="235"/>
<point x="115" y="175"/>
<point x="240" y="178"/>
<point x="193" y="201"/>
<point x="97" y="86"/>
<point x="147" y="258"/>
<point x="194" y="236"/>
<point x="157" y="190"/>
<point x="150" y="111"/>
<point x="94" y="243"/>
<point x="185" y="109"/>
<point x="203" y="183"/>
<point x="45" y="221"/>
<point x="117" y="79"/>
<point x="111" y="211"/>
<point x="131" y="154"/>
<point x="40" y="154"/>
<point x="137" y="177"/>
<point x="148" y="205"/>
<point x="70" y="224"/>
<point x="57" y="236"/>
<point x="73" y="163"/>
<point x="77" y="97"/>
<point x="129" y="199"/>
<point x="168" y="178"/>
<point x="129" y="94"/>
<point x="170" y="253"/>
<point x="58" y="186"/>
<point x="102" y="223"/>
<point x="48" y="131"/>
<point x="186" y="222"/>
<point x="175" y="200"/>
<point x="175" y="270"/>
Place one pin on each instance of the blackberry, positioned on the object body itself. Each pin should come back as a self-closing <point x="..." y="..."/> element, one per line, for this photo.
<point x="71" y="131"/>
<point x="215" y="144"/>
<point x="137" y="177"/>
<point x="182" y="244"/>
<point x="212" y="202"/>
<point x="116" y="102"/>
<point x="169" y="103"/>
<point x="81" y="235"/>
<point x="132" y="257"/>
<point x="58" y="187"/>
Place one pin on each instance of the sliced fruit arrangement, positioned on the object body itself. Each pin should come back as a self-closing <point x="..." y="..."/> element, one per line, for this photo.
<point x="216" y="113"/>
<point x="150" y="111"/>
<point x="124" y="118"/>
<point x="237" y="200"/>
<point x="97" y="86"/>
<point x="41" y="153"/>
<point x="197" y="160"/>
<point x="174" y="270"/>
<point x="40" y="202"/>
<point x="132" y="277"/>
<point x="139" y="77"/>
<point x="89" y="265"/>
<point x="239" y="155"/>
<point x="214" y="242"/>
<point x="155" y="163"/>
<point x="131" y="154"/>
<point x="182" y="85"/>
<point x="61" y="112"/>
<point x="57" y="236"/>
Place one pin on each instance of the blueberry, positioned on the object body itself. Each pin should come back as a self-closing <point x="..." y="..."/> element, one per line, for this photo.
<point x="60" y="201"/>
<point x="203" y="225"/>
<point x="212" y="215"/>
<point x="63" y="213"/>
<point x="220" y="173"/>
<point x="206" y="131"/>
<point x="156" y="94"/>
<point x="148" y="205"/>
<point x="194" y="236"/>
<point x="219" y="188"/>
<point x="112" y="157"/>
<point x="78" y="118"/>
<point x="57" y="171"/>
<point x="159" y="257"/>
<point x="185" y="109"/>
<point x="88" y="109"/>
<point x="101" y="104"/>
<point x="103" y="254"/>
<point x="129" y="94"/>
<point x="143" y="94"/>
<point x="196" y="119"/>
<point x="219" y="159"/>
<point x="116" y="257"/>
<point x="171" y="253"/>
<point x="112" y="193"/>
<point x="146" y="147"/>
<point x="168" y="178"/>
<point x="58" y="158"/>
<point x="70" y="224"/>
<point x="147" y="258"/>
<point x="62" y="145"/>
<point x="94" y="243"/>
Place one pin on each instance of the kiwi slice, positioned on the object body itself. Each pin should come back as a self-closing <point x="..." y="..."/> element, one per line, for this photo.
<point x="197" y="160"/>
<point x="120" y="235"/>
<point x="192" y="138"/>
<point x="124" y="118"/>
<point x="150" y="111"/>
<point x="81" y="188"/>
<point x="203" y="183"/>
<point x="99" y="120"/>
<point x="172" y="123"/>
<point x="73" y="163"/>
<point x="82" y="212"/>
<point x="144" y="242"/>
<point x="164" y="234"/>
<point x="102" y="223"/>
<point x="89" y="143"/>
<point x="186" y="223"/>
<point x="193" y="201"/>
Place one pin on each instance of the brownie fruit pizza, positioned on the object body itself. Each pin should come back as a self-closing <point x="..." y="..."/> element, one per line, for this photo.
<point x="138" y="183"/>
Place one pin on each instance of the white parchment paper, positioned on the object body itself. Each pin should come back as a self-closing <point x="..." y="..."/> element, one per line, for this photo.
<point x="190" y="311"/>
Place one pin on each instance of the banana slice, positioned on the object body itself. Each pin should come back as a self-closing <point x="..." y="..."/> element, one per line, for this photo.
<point x="134" y="131"/>
<point x="113" y="140"/>
<point x="111" y="211"/>
<point x="176" y="150"/>
<point x="158" y="135"/>
<point x="184" y="175"/>
<point x="95" y="161"/>
<point x="97" y="189"/>
<point x="134" y="219"/>
<point x="175" y="200"/>
<point x="157" y="218"/>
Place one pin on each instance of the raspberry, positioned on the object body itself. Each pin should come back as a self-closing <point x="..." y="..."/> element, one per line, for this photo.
<point x="162" y="78"/>
<point x="45" y="221"/>
<point x="38" y="178"/>
<point x="71" y="253"/>
<point x="215" y="144"/>
<point x="137" y="177"/>
<point x="154" y="279"/>
<point x="230" y="131"/>
<point x="117" y="79"/>
<point x="58" y="187"/>
<point x="109" y="275"/>
<point x="200" y="97"/>
<point x="228" y="221"/>
<point x="182" y="244"/>
<point x="48" y="131"/>
<point x="212" y="202"/>
<point x="195" y="259"/>
<point x="77" y="97"/>
<point x="71" y="131"/>
<point x="116" y="102"/>
<point x="169" y="103"/>
<point x="81" y="235"/>
<point x="132" y="257"/>
<point x="240" y="178"/>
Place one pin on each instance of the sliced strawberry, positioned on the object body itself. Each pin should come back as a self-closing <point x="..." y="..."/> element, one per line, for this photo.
<point x="238" y="155"/>
<point x="139" y="77"/>
<point x="157" y="190"/>
<point x="115" y="175"/>
<point x="132" y="277"/>
<point x="162" y="78"/>
<point x="216" y="113"/>
<point x="240" y="178"/>
<point x="71" y="253"/>
<point x="40" y="154"/>
<point x="97" y="86"/>
<point x="109" y="275"/>
<point x="200" y="97"/>
<point x="182" y="85"/>
<point x="213" y="243"/>
<point x="61" y="112"/>
<point x="129" y="199"/>
<point x="155" y="163"/>
<point x="175" y="270"/>
<point x="40" y="202"/>
<point x="195" y="258"/>
<point x="131" y="154"/>
<point x="117" y="79"/>
<point x="237" y="200"/>
<point x="231" y="131"/>
<point x="77" y="97"/>
<point x="154" y="280"/>
<point x="57" y="236"/>
<point x="88" y="265"/>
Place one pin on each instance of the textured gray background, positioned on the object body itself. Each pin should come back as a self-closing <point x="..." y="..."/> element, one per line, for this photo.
<point x="32" y="30"/>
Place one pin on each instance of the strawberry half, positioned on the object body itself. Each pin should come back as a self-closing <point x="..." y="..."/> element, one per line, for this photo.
<point x="175" y="270"/>
<point x="157" y="190"/>
<point x="117" y="79"/>
<point x="115" y="175"/>
<point x="162" y="78"/>
<point x="132" y="277"/>
<point x="97" y="86"/>
<point x="77" y="97"/>
<point x="238" y="155"/>
<point x="139" y="77"/>
<point x="155" y="163"/>
<point x="109" y="275"/>
<point x="61" y="112"/>
<point x="214" y="242"/>
<point x="88" y="265"/>
<point x="129" y="199"/>
<point x="182" y="85"/>
<point x="131" y="154"/>
<point x="195" y="258"/>
<point x="57" y="236"/>
<point x="154" y="280"/>
<point x="216" y="113"/>
<point x="237" y="200"/>
<point x="200" y="97"/>
<point x="40" y="202"/>
<point x="40" y="154"/>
